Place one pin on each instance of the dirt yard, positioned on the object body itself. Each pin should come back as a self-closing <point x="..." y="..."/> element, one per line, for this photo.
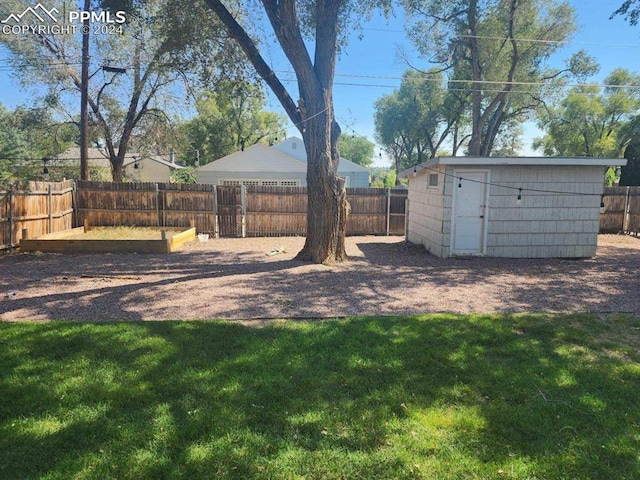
<point x="257" y="278"/>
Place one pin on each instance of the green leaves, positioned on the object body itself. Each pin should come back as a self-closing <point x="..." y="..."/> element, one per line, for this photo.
<point x="591" y="121"/>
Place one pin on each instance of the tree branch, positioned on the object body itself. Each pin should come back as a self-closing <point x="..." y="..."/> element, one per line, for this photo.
<point x="251" y="51"/>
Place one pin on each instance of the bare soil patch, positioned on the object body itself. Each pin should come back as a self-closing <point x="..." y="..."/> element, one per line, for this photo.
<point x="123" y="233"/>
<point x="257" y="278"/>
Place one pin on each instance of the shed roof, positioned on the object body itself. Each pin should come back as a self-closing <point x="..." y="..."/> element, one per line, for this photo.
<point x="517" y="161"/>
<point x="299" y="152"/>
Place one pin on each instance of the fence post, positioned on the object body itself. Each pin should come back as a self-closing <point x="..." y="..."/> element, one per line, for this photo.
<point x="216" y="231"/>
<point x="74" y="204"/>
<point x="625" y="215"/>
<point x="388" y="209"/>
<point x="406" y="220"/>
<point x="157" y="194"/>
<point x="11" y="239"/>
<point x="50" y="208"/>
<point x="243" y="202"/>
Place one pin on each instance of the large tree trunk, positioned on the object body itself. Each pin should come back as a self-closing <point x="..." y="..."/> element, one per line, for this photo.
<point x="314" y="115"/>
<point x="328" y="208"/>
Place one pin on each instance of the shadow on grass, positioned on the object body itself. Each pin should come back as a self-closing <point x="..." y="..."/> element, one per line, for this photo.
<point x="444" y="396"/>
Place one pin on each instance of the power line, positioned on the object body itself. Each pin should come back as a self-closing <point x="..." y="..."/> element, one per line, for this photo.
<point x="427" y="78"/>
<point x="532" y="40"/>
<point x="560" y="42"/>
<point x="498" y="185"/>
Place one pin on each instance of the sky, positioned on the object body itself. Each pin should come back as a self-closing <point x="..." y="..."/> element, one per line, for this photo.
<point x="369" y="66"/>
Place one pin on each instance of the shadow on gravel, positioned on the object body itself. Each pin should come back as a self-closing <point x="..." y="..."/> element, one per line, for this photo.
<point x="385" y="278"/>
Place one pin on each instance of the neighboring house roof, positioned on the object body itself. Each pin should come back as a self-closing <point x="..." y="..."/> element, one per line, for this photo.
<point x="256" y="158"/>
<point x="154" y="158"/>
<point x="491" y="161"/>
<point x="294" y="146"/>
<point x="98" y="158"/>
<point x="71" y="156"/>
<point x="288" y="156"/>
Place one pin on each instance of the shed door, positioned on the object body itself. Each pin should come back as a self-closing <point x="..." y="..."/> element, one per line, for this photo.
<point x="469" y="212"/>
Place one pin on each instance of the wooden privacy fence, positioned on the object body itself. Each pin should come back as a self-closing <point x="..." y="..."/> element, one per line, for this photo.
<point x="232" y="211"/>
<point x="225" y="211"/>
<point x="279" y="211"/>
<point x="147" y="204"/>
<point x="622" y="210"/>
<point x="37" y="208"/>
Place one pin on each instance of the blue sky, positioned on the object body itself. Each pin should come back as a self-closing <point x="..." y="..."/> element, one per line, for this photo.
<point x="372" y="64"/>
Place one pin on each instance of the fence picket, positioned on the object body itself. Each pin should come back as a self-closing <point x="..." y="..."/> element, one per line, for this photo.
<point x="226" y="211"/>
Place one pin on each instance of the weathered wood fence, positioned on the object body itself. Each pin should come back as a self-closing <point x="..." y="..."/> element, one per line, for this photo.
<point x="622" y="210"/>
<point x="232" y="211"/>
<point x="225" y="211"/>
<point x="37" y="208"/>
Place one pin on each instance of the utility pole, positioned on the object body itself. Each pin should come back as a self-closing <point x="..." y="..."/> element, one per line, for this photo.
<point x="84" y="97"/>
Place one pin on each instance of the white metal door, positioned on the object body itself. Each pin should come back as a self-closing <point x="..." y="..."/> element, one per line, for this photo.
<point x="469" y="211"/>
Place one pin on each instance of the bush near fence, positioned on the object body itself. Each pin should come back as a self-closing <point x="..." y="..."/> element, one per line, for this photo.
<point x="225" y="211"/>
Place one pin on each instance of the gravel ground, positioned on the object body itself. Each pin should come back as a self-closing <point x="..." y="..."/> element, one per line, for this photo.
<point x="237" y="279"/>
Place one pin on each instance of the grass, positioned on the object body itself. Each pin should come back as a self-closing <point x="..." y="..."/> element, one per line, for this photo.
<point x="433" y="397"/>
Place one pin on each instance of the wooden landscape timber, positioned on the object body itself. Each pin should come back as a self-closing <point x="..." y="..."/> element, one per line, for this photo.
<point x="61" y="242"/>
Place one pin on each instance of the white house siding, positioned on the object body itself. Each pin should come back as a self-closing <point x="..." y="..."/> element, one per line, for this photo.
<point x="427" y="210"/>
<point x="357" y="176"/>
<point x="544" y="224"/>
<point x="356" y="179"/>
<point x="218" y="177"/>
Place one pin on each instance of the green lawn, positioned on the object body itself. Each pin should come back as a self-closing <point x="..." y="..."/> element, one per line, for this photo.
<point x="434" y="397"/>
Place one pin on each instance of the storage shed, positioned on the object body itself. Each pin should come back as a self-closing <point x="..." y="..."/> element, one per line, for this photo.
<point x="507" y="207"/>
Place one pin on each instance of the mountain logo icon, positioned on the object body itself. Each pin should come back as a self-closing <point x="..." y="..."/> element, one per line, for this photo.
<point x="40" y="12"/>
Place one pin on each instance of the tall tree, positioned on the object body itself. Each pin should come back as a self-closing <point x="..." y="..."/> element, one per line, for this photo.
<point x="165" y="47"/>
<point x="414" y="122"/>
<point x="27" y="135"/>
<point x="357" y="149"/>
<point x="495" y="50"/>
<point x="309" y="34"/>
<point x="231" y="118"/>
<point x="630" y="173"/>
<point x="590" y="121"/>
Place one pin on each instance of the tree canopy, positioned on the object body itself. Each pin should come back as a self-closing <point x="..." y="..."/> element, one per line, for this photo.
<point x="414" y="122"/>
<point x="231" y="118"/>
<point x="27" y="135"/>
<point x="592" y="121"/>
<point x="357" y="149"/>
<point x="164" y="46"/>
<point x="494" y="53"/>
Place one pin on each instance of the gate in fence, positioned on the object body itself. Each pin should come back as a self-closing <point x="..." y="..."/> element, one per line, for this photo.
<point x="232" y="211"/>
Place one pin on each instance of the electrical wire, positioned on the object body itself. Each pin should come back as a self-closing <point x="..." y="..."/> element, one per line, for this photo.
<point x="497" y="185"/>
